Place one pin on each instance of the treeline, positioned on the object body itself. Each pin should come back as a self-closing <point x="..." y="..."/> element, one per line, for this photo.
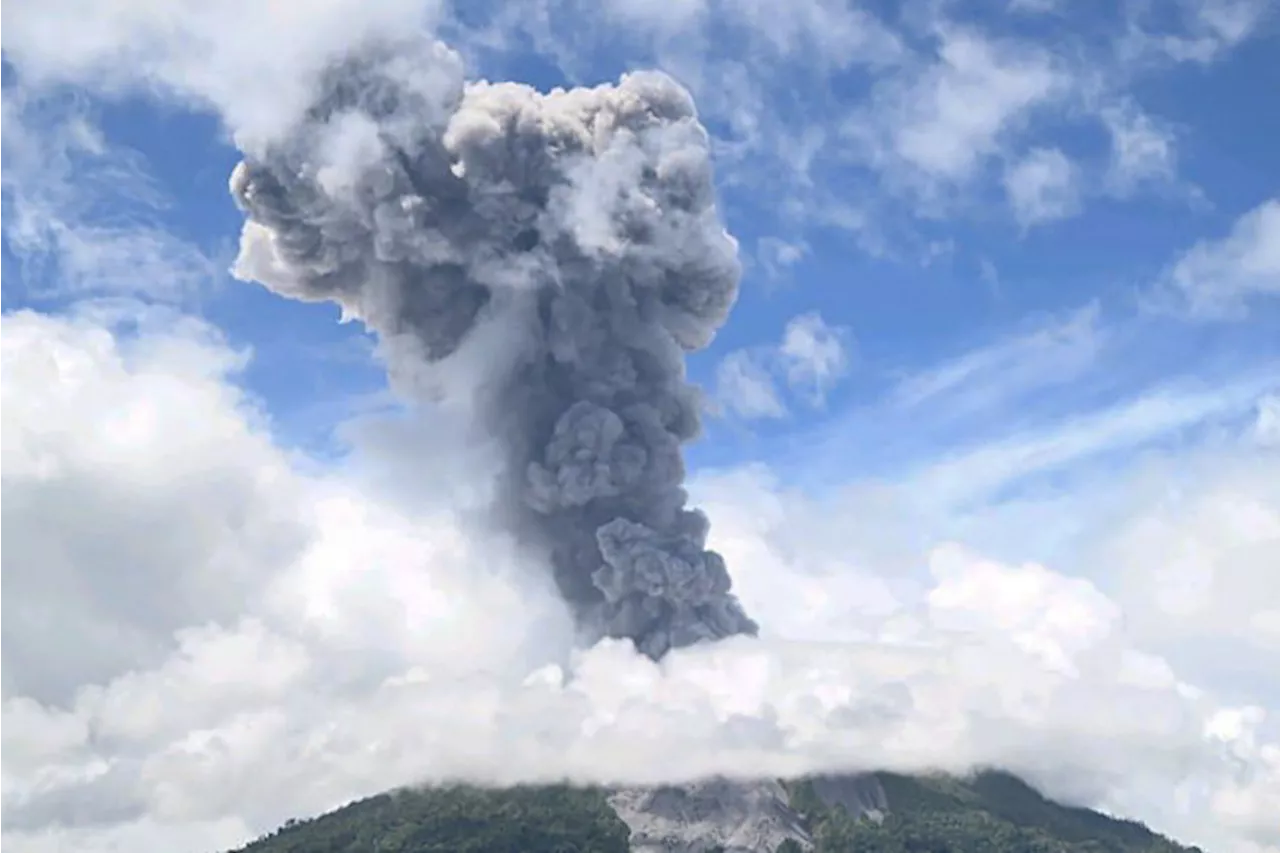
<point x="461" y="819"/>
<point x="990" y="813"/>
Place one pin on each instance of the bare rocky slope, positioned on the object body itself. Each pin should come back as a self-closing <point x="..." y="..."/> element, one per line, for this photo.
<point x="740" y="817"/>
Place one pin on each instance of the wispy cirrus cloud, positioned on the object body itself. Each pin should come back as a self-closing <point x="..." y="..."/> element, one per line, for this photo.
<point x="934" y="125"/>
<point x="1042" y="186"/>
<point x="1143" y="149"/>
<point x="811" y="358"/>
<point x="82" y="216"/>
<point x="1154" y="416"/>
<point x="906" y="119"/>
<point x="1047" y="401"/>
<point x="1200" y="32"/>
<point x="1219" y="277"/>
<point x="991" y="377"/>
<point x="931" y="103"/>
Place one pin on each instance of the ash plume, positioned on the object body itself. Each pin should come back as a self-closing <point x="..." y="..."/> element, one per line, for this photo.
<point x="574" y="234"/>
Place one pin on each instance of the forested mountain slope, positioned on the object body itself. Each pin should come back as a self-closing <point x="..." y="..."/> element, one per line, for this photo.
<point x="990" y="812"/>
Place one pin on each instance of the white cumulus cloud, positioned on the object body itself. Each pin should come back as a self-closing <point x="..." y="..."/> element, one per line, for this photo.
<point x="232" y="638"/>
<point x="1042" y="186"/>
<point x="809" y="360"/>
<point x="1219" y="277"/>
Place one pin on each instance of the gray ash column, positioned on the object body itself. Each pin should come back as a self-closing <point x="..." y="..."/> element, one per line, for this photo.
<point x="583" y="222"/>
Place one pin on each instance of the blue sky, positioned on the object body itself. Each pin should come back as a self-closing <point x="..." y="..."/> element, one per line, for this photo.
<point x="916" y="256"/>
<point x="994" y="426"/>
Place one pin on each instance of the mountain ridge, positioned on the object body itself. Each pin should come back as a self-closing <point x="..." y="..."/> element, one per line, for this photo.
<point x="986" y="812"/>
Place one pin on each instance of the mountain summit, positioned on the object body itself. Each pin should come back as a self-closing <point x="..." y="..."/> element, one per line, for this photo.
<point x="989" y="812"/>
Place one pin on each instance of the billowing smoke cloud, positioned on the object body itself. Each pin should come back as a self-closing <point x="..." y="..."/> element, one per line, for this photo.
<point x="578" y="225"/>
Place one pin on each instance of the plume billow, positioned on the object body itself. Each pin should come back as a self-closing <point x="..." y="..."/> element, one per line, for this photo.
<point x="580" y="228"/>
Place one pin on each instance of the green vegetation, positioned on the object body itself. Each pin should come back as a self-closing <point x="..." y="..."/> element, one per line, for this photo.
<point x="460" y="819"/>
<point x="990" y="813"/>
